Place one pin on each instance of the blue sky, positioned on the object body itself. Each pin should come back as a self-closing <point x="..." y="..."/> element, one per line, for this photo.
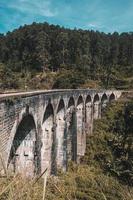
<point x="102" y="15"/>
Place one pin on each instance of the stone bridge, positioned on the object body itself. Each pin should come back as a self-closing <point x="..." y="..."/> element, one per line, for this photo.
<point x="46" y="129"/>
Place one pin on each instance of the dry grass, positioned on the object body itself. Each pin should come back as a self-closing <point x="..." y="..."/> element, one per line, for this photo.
<point x="86" y="183"/>
<point x="79" y="183"/>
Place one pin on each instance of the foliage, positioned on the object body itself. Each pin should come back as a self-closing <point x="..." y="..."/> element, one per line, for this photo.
<point x="111" y="146"/>
<point x="122" y="145"/>
<point x="7" y="78"/>
<point x="41" y="47"/>
<point x="69" y="80"/>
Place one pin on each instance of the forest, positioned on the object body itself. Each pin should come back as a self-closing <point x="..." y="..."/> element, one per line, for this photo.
<point x="48" y="56"/>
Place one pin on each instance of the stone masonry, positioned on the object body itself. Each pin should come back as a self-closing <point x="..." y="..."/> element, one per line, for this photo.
<point x="46" y="129"/>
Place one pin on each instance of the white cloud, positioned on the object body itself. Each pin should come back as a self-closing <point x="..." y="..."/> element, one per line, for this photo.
<point x="92" y="25"/>
<point x="34" y="7"/>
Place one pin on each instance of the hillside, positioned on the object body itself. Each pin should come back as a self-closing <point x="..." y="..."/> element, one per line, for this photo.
<point x="47" y="56"/>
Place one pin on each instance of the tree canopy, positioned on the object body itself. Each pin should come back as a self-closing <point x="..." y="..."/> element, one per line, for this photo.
<point x="40" y="47"/>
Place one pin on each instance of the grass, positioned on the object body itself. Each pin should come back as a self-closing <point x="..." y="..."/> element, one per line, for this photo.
<point x="81" y="183"/>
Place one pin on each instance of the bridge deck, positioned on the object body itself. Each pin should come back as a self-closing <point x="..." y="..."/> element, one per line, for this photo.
<point x="37" y="92"/>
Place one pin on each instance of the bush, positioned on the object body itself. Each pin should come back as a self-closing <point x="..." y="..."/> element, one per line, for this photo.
<point x="68" y="79"/>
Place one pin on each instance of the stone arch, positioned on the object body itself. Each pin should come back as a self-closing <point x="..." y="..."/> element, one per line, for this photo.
<point x="80" y="128"/>
<point x="61" y="135"/>
<point x="96" y="107"/>
<point x="80" y="101"/>
<point x="71" y="102"/>
<point x="61" y="106"/>
<point x="88" y="100"/>
<point x="96" y="98"/>
<point x="104" y="101"/>
<point x="24" y="157"/>
<point x="111" y="97"/>
<point x="48" y="140"/>
<point x="104" y="98"/>
<point x="71" y="121"/>
<point x="88" y="114"/>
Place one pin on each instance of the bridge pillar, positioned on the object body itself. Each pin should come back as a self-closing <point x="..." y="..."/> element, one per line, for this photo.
<point x="104" y="102"/>
<point x="89" y="118"/>
<point x="96" y="107"/>
<point x="61" y="137"/>
<point x="96" y="110"/>
<point x="71" y="131"/>
<point x="84" y="133"/>
<point x="80" y="129"/>
<point x="48" y="141"/>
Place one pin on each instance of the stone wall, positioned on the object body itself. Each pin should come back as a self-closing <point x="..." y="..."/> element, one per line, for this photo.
<point x="46" y="129"/>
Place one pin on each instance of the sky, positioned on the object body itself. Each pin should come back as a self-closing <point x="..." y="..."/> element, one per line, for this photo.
<point x="102" y="15"/>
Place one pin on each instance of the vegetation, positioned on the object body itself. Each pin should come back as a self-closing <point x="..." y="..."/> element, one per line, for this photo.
<point x="105" y="173"/>
<point x="113" y="137"/>
<point x="33" y="51"/>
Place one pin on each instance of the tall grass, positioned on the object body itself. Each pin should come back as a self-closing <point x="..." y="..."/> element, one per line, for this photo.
<point x="81" y="183"/>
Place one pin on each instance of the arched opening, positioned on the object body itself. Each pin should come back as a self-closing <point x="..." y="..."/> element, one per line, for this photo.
<point x="71" y="131"/>
<point x="24" y="154"/>
<point x="61" y="136"/>
<point x="96" y="98"/>
<point x="80" y="128"/>
<point x="71" y="102"/>
<point x="48" y="140"/>
<point x="88" y="100"/>
<point x="96" y="107"/>
<point x="88" y="114"/>
<point x="104" y="101"/>
<point x="112" y="97"/>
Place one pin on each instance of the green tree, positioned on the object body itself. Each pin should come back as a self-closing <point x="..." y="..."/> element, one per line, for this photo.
<point x="7" y="78"/>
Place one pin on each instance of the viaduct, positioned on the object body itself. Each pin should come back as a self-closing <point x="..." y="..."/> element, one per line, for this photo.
<point x="46" y="129"/>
